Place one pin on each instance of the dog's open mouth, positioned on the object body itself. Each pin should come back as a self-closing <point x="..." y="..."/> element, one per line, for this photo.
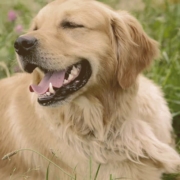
<point x="58" y="85"/>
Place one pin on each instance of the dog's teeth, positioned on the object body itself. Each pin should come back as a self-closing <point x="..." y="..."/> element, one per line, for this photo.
<point x="74" y="68"/>
<point x="48" y="93"/>
<point x="65" y="81"/>
<point x="51" y="90"/>
<point x="74" y="72"/>
<point x="70" y="77"/>
<point x="78" y="66"/>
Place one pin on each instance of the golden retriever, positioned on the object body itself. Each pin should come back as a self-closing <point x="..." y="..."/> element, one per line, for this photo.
<point x="84" y="104"/>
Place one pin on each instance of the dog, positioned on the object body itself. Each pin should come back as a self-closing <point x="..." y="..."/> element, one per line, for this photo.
<point x="84" y="110"/>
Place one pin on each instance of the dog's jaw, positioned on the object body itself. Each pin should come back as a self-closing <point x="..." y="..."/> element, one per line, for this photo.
<point x="58" y="86"/>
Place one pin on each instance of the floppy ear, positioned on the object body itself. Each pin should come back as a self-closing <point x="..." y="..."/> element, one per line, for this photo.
<point x="134" y="49"/>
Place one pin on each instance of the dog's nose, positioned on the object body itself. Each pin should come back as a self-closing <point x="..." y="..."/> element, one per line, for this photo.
<point x="24" y="44"/>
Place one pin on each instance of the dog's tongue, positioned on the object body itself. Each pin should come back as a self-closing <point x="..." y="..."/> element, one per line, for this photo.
<point x="56" y="78"/>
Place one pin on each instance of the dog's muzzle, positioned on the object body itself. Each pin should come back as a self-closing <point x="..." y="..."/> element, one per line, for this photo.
<point x="24" y="44"/>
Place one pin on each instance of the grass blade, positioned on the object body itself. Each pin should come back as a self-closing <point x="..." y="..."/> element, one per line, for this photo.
<point x="97" y="172"/>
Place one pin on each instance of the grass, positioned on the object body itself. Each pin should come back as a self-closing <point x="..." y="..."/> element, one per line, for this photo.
<point x="162" y="22"/>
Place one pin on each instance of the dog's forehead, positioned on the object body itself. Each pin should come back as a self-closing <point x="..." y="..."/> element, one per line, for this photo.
<point x="82" y="10"/>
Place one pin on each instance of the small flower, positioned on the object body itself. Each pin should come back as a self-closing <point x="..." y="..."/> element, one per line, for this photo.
<point x="16" y="69"/>
<point x="12" y="16"/>
<point x="19" y="29"/>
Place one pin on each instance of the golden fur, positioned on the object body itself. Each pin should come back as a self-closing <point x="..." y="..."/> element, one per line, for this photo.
<point x="119" y="119"/>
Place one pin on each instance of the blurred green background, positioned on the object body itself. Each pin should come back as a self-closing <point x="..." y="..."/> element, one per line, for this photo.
<point x="160" y="19"/>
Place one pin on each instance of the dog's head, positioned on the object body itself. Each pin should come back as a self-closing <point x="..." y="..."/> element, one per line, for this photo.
<point x="81" y="45"/>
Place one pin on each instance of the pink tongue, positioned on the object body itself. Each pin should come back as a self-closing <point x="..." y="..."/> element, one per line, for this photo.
<point x="56" y="78"/>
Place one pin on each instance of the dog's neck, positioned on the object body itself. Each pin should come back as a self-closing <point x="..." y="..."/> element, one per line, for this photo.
<point x="92" y="118"/>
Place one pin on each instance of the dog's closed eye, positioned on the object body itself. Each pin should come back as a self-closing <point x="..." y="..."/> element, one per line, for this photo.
<point x="35" y="28"/>
<point x="72" y="25"/>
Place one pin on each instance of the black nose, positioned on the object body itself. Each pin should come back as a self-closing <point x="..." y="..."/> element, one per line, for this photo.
<point x="24" y="44"/>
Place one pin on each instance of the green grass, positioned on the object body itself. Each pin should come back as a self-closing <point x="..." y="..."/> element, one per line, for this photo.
<point x="162" y="22"/>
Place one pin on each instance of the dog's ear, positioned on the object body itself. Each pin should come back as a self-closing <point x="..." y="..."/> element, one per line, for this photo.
<point x="134" y="49"/>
